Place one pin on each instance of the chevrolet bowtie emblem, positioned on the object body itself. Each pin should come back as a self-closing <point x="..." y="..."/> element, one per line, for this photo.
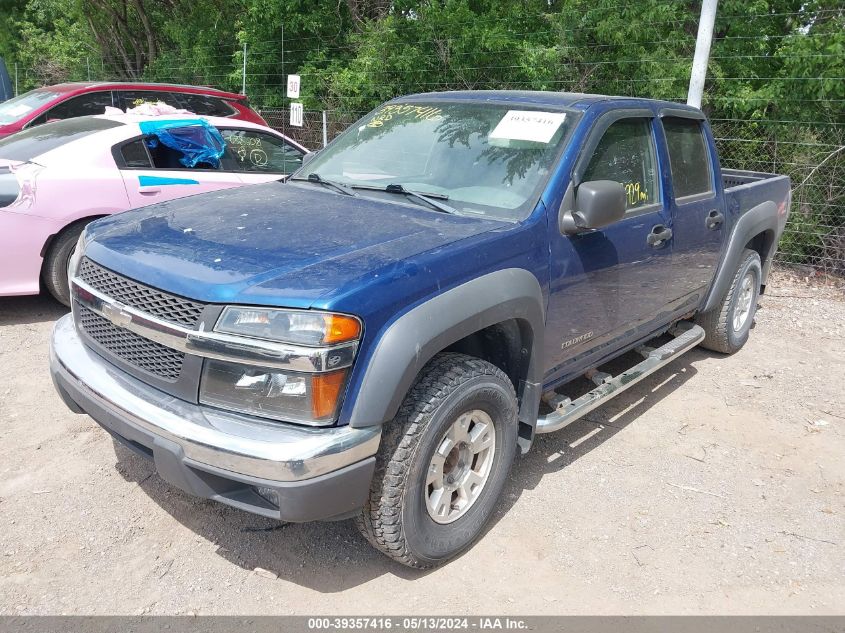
<point x="117" y="314"/>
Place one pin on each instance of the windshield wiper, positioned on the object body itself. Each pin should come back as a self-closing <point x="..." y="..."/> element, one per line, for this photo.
<point x="430" y="199"/>
<point x="315" y="177"/>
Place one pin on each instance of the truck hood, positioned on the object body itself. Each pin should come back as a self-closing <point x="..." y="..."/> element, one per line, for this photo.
<point x="271" y="244"/>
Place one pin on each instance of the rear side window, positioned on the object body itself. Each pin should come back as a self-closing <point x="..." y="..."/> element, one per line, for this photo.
<point x="207" y="105"/>
<point x="688" y="156"/>
<point x="35" y="141"/>
<point x="9" y="188"/>
<point x="626" y="154"/>
<point x="135" y="155"/>
<point x="83" y="105"/>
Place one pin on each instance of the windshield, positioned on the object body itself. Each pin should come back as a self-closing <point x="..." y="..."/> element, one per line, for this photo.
<point x="17" y="108"/>
<point x="483" y="158"/>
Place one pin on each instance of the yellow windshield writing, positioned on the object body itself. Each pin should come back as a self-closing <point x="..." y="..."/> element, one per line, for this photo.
<point x="405" y="111"/>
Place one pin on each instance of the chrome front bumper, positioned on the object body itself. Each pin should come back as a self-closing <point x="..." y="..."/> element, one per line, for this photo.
<point x="317" y="473"/>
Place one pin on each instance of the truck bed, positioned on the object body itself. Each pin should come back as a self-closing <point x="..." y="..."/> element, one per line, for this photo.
<point x="733" y="178"/>
<point x="748" y="190"/>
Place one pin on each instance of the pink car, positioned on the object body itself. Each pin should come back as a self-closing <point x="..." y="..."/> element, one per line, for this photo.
<point x="57" y="177"/>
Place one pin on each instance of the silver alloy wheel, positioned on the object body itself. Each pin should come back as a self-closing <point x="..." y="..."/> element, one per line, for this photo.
<point x="460" y="466"/>
<point x="742" y="309"/>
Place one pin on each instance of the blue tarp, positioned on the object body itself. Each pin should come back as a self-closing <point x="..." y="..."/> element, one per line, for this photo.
<point x="6" y="90"/>
<point x="196" y="139"/>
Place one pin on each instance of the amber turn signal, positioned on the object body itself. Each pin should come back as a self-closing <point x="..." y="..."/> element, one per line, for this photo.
<point x="341" y="328"/>
<point x="325" y="393"/>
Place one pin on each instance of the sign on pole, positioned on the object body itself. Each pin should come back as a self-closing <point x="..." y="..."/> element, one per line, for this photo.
<point x="293" y="86"/>
<point x="296" y="114"/>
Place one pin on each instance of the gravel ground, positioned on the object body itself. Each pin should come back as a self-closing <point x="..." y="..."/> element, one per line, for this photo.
<point x="714" y="486"/>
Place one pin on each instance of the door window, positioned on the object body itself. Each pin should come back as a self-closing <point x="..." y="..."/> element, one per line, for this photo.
<point x="626" y="154"/>
<point x="250" y="151"/>
<point x="688" y="156"/>
<point x="83" y="105"/>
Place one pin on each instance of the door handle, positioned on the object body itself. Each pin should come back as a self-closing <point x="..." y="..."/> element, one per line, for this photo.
<point x="659" y="236"/>
<point x="148" y="191"/>
<point x="714" y="220"/>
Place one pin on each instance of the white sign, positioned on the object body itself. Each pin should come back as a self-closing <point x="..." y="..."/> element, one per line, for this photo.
<point x="293" y="86"/>
<point x="528" y="125"/>
<point x="296" y="114"/>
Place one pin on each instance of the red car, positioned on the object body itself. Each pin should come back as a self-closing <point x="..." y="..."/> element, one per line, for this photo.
<point x="65" y="101"/>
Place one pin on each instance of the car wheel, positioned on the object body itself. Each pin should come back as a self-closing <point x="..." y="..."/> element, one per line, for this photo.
<point x="727" y="326"/>
<point x="54" y="269"/>
<point x="443" y="462"/>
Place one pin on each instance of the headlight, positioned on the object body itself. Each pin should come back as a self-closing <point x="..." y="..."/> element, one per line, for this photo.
<point x="300" y="327"/>
<point x="271" y="393"/>
<point x="280" y="394"/>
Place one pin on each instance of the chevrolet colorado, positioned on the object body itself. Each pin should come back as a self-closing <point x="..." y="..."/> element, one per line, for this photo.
<point x="381" y="335"/>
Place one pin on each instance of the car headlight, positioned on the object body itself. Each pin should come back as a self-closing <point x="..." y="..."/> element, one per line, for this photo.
<point x="305" y="398"/>
<point x="300" y="327"/>
<point x="270" y="393"/>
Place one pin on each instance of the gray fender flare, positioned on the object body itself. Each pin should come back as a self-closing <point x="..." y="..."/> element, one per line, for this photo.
<point x="415" y="337"/>
<point x="760" y="219"/>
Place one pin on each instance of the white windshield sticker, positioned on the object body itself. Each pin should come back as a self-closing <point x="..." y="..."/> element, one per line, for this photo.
<point x="21" y="108"/>
<point x="528" y="125"/>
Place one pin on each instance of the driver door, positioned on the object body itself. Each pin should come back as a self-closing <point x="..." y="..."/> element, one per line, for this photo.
<point x="610" y="283"/>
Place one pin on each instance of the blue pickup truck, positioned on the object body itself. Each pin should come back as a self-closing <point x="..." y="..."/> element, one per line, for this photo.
<point x="381" y="335"/>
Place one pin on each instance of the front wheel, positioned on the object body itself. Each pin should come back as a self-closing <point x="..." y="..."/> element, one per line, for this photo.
<point x="56" y="260"/>
<point x="727" y="326"/>
<point x="443" y="462"/>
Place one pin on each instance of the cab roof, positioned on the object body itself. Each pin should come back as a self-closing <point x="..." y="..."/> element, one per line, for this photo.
<point x="573" y="100"/>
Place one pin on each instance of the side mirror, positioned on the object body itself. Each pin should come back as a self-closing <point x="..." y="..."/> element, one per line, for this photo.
<point x="597" y="204"/>
<point x="306" y="158"/>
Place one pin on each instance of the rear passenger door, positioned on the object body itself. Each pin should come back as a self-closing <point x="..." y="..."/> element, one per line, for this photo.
<point x="259" y="156"/>
<point x="148" y="181"/>
<point x="697" y="212"/>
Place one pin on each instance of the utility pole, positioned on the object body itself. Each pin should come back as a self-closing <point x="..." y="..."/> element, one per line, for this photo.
<point x="243" y="86"/>
<point x="702" y="52"/>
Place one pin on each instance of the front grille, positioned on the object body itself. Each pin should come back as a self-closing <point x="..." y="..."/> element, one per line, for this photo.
<point x="138" y="351"/>
<point x="161" y="304"/>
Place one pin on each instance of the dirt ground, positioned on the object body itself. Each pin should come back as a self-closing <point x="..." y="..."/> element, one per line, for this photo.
<point x="715" y="486"/>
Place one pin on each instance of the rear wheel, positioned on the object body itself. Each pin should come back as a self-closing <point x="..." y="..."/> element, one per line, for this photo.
<point x="54" y="270"/>
<point x="443" y="462"/>
<point x="727" y="326"/>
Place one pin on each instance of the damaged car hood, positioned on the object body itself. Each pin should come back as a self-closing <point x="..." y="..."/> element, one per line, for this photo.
<point x="271" y="244"/>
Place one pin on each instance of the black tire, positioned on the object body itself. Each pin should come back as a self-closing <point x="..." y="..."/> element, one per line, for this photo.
<point x="54" y="269"/>
<point x="396" y="519"/>
<point x="721" y="335"/>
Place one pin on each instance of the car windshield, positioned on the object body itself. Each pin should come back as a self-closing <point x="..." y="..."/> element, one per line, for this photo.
<point x="483" y="158"/>
<point x="17" y="108"/>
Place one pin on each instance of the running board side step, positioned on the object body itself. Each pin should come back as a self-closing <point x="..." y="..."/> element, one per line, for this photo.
<point x="567" y="411"/>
